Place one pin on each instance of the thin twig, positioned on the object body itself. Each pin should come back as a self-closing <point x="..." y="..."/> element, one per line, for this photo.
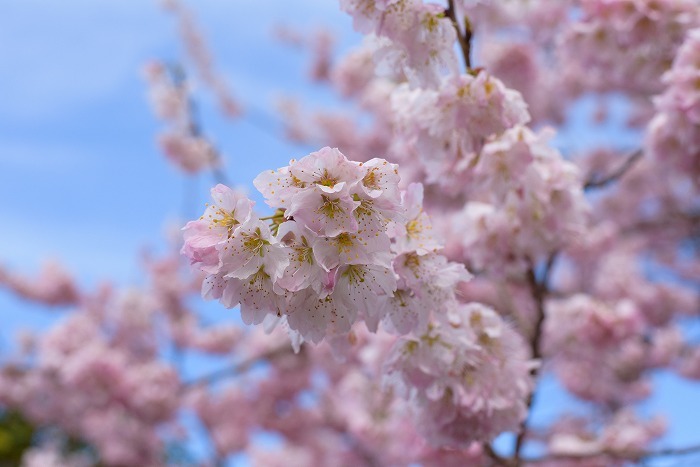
<point x="357" y="446"/>
<point x="539" y="290"/>
<point x="464" y="38"/>
<point x="629" y="455"/>
<point x="630" y="160"/>
<point x="193" y="123"/>
<point x="687" y="221"/>
<point x="236" y="369"/>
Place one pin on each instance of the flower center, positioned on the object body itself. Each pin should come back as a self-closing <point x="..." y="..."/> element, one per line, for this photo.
<point x="227" y="220"/>
<point x="254" y="243"/>
<point x="327" y="180"/>
<point x="330" y="207"/>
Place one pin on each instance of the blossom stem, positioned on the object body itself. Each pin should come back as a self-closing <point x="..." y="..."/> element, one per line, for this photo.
<point x="277" y="215"/>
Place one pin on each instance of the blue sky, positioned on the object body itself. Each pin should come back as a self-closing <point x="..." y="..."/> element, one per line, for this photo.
<point x="81" y="179"/>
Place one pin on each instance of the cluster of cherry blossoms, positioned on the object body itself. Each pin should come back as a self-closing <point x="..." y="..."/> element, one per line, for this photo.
<point x="54" y="286"/>
<point x="609" y="49"/>
<point x="414" y="39"/>
<point x="105" y="387"/>
<point x="606" y="342"/>
<point x="345" y="244"/>
<point x="468" y="379"/>
<point x="528" y="202"/>
<point x="674" y="133"/>
<point x="625" y="433"/>
<point x="452" y="125"/>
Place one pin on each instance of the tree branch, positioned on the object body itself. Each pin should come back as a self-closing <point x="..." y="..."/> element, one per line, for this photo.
<point x="236" y="369"/>
<point x="464" y="39"/>
<point x="368" y="457"/>
<point x="495" y="457"/>
<point x="539" y="290"/>
<point x="193" y="123"/>
<point x="595" y="182"/>
<point x="620" y="455"/>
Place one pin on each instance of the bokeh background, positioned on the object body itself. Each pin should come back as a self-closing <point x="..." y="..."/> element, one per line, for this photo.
<point x="83" y="182"/>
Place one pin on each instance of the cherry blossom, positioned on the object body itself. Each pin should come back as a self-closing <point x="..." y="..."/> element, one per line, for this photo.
<point x="410" y="290"/>
<point x="453" y="375"/>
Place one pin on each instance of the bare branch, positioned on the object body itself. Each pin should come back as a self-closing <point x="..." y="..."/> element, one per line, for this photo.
<point x="358" y="447"/>
<point x="464" y="38"/>
<point x="596" y="182"/>
<point x="620" y="455"/>
<point x="539" y="290"/>
<point x="236" y="369"/>
<point x="495" y="457"/>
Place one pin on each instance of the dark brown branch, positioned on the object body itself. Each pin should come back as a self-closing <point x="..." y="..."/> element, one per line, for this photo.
<point x="620" y="455"/>
<point x="357" y="446"/>
<point x="495" y="457"/>
<point x="236" y="369"/>
<point x="687" y="223"/>
<point x="630" y="160"/>
<point x="464" y="38"/>
<point x="539" y="290"/>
